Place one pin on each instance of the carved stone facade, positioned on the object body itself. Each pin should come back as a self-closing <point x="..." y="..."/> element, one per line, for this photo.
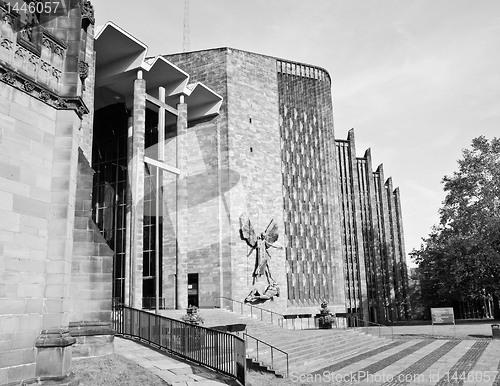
<point x="32" y="54"/>
<point x="49" y="252"/>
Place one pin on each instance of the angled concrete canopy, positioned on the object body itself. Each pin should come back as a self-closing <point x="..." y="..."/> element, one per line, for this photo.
<point x="120" y="56"/>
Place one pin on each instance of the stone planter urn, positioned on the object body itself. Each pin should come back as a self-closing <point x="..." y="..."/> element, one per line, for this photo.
<point x="192" y="316"/>
<point x="325" y="318"/>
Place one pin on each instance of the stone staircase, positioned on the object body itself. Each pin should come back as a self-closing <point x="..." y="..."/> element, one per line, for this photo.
<point x="308" y="350"/>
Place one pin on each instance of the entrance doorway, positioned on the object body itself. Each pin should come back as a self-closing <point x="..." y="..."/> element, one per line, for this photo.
<point x="193" y="285"/>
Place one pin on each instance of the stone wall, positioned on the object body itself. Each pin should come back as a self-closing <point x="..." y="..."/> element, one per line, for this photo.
<point x="255" y="154"/>
<point x="41" y="112"/>
<point x="372" y="238"/>
<point x="275" y="151"/>
<point x="207" y="178"/>
<point x="38" y="163"/>
<point x="239" y="153"/>
<point x="91" y="274"/>
<point x="352" y="241"/>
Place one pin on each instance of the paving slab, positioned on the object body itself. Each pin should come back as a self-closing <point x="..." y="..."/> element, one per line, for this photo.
<point x="173" y="371"/>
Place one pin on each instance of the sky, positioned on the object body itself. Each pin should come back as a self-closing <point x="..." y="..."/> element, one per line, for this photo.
<point x="417" y="80"/>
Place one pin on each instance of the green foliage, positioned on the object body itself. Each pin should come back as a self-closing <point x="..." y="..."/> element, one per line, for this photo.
<point x="460" y="259"/>
<point x="192" y="316"/>
<point x="326" y="315"/>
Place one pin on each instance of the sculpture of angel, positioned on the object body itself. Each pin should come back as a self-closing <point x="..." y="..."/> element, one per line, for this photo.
<point x="261" y="244"/>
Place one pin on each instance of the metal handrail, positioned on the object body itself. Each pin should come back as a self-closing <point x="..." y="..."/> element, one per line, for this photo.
<point x="281" y="316"/>
<point x="367" y="323"/>
<point x="218" y="350"/>
<point x="257" y="340"/>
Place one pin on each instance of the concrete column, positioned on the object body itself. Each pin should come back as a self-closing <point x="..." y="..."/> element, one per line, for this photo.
<point x="128" y="216"/>
<point x="159" y="177"/>
<point x="137" y="193"/>
<point x="182" y="230"/>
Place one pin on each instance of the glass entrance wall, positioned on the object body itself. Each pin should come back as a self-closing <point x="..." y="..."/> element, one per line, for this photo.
<point x="109" y="160"/>
<point x="153" y="219"/>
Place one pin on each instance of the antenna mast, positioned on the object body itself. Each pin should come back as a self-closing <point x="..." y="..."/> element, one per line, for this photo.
<point x="186" y="26"/>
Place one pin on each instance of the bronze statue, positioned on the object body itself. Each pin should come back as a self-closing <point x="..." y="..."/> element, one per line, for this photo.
<point x="271" y="291"/>
<point x="261" y="244"/>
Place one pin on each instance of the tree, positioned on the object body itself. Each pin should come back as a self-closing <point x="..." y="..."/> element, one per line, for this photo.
<point x="460" y="260"/>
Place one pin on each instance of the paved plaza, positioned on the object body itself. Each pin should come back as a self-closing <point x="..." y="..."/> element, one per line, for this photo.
<point x="455" y="355"/>
<point x="172" y="370"/>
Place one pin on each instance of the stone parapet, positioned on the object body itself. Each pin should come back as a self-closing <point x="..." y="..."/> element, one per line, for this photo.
<point x="92" y="338"/>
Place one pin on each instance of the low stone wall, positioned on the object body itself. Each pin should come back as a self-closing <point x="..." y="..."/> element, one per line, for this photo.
<point x="92" y="339"/>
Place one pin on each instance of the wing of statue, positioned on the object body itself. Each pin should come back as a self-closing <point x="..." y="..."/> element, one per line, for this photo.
<point x="247" y="231"/>
<point x="272" y="232"/>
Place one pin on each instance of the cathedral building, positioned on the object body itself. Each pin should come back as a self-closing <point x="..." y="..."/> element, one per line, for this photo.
<point x="176" y="180"/>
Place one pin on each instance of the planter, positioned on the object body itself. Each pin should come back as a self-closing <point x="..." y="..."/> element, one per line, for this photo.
<point x="325" y="325"/>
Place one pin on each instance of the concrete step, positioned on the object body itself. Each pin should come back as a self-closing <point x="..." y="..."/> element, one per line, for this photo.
<point x="316" y="347"/>
<point x="308" y="349"/>
<point x="290" y="343"/>
<point x="302" y="353"/>
<point x="321" y="362"/>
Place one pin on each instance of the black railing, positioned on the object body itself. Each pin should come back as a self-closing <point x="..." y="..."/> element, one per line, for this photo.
<point x="271" y="316"/>
<point x="220" y="351"/>
<point x="267" y="354"/>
